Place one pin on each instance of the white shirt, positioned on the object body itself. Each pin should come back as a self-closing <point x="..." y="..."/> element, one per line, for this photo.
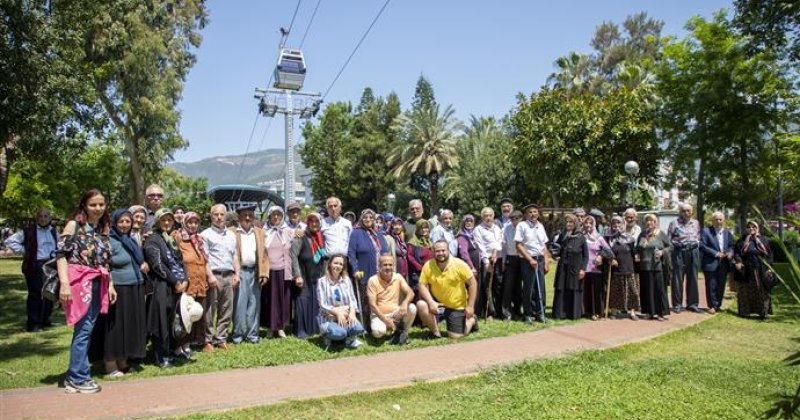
<point x="488" y="238"/>
<point x="248" y="244"/>
<point x="336" y="234"/>
<point x="221" y="245"/>
<point x="721" y="239"/>
<point x="509" y="245"/>
<point x="532" y="237"/>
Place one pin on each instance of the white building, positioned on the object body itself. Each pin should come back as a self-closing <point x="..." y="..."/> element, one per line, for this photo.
<point x="276" y="186"/>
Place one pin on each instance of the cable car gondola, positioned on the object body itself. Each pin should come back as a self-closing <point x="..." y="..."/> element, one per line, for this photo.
<point x="290" y="72"/>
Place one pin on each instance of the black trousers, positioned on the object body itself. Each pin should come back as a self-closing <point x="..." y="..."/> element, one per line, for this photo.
<point x="684" y="265"/>
<point x="487" y="284"/>
<point x="38" y="309"/>
<point x="534" y="297"/>
<point x="715" y="286"/>
<point x="512" y="285"/>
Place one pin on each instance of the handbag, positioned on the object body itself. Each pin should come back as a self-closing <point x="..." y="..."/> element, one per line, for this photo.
<point x="769" y="280"/>
<point x="50" y="281"/>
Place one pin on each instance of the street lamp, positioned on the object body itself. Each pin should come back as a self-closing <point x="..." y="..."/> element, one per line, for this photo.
<point x="632" y="169"/>
<point x="390" y="201"/>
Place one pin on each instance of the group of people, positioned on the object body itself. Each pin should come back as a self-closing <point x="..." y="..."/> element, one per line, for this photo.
<point x="150" y="273"/>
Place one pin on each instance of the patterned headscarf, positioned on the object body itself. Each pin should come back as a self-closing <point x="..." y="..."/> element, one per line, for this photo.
<point x="194" y="238"/>
<point x="317" y="242"/>
<point x="422" y="241"/>
<point x="756" y="237"/>
<point x="468" y="234"/>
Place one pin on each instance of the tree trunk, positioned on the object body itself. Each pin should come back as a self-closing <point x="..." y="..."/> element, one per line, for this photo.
<point x="701" y="196"/>
<point x="137" y="174"/>
<point x="6" y="160"/>
<point x="742" y="167"/>
<point x="553" y="198"/>
<point x="434" y="180"/>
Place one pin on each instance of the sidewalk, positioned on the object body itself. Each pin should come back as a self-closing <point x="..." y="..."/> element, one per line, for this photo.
<point x="261" y="386"/>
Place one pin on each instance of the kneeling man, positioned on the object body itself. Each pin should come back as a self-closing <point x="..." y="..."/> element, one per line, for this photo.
<point x="447" y="289"/>
<point x="390" y="299"/>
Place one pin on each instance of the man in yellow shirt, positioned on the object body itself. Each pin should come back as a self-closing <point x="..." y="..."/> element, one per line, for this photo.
<point x="447" y="290"/>
<point x="390" y="299"/>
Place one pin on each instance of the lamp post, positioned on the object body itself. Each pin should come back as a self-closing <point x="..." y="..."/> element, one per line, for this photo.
<point x="390" y="198"/>
<point x="632" y="169"/>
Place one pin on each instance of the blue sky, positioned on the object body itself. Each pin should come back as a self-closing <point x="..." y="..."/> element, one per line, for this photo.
<point x="477" y="54"/>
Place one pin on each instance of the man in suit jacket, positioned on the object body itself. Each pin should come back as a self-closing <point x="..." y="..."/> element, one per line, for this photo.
<point x="716" y="247"/>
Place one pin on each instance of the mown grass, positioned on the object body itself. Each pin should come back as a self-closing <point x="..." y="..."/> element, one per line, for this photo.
<point x="37" y="359"/>
<point x="726" y="367"/>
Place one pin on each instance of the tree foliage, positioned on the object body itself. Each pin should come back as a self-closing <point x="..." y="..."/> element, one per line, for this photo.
<point x="770" y="25"/>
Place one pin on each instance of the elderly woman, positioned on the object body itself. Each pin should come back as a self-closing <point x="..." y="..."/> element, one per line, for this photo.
<point x="753" y="279"/>
<point x="467" y="247"/>
<point x="624" y="289"/>
<point x="83" y="257"/>
<point x="594" y="285"/>
<point x="420" y="250"/>
<point x="365" y="247"/>
<point x="572" y="260"/>
<point x="126" y="323"/>
<point x="198" y="272"/>
<point x="338" y="308"/>
<point x="278" y="292"/>
<point x="385" y="229"/>
<point x="651" y="246"/>
<point x="139" y="214"/>
<point x="169" y="280"/>
<point x="398" y="233"/>
<point x="308" y="266"/>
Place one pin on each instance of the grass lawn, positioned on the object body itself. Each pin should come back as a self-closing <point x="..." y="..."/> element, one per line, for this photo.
<point x="37" y="359"/>
<point x="725" y="367"/>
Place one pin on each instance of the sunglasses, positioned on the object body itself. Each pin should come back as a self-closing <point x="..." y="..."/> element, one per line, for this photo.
<point x="155" y="196"/>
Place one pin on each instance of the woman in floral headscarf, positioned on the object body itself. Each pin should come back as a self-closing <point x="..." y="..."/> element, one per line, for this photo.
<point x="198" y="271"/>
<point x="754" y="281"/>
<point x="307" y="266"/>
<point x="420" y="250"/>
<point x="398" y="233"/>
<point x="624" y="289"/>
<point x="467" y="247"/>
<point x="278" y="292"/>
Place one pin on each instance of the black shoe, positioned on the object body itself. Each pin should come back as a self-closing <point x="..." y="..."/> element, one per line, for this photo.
<point x="677" y="309"/>
<point x="166" y="365"/>
<point x="529" y="320"/>
<point x="402" y="339"/>
<point x="431" y="337"/>
<point x="475" y="327"/>
<point x="694" y="309"/>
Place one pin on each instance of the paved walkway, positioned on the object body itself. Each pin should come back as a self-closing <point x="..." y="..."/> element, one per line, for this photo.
<point x="260" y="386"/>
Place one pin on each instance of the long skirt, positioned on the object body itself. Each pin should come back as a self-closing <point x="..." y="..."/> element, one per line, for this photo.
<point x="752" y="299"/>
<point x="594" y="288"/>
<point x="568" y="304"/>
<point x="280" y="300"/>
<point x="654" y="294"/>
<point x="624" y="293"/>
<point x="126" y="325"/>
<point x="306" y="308"/>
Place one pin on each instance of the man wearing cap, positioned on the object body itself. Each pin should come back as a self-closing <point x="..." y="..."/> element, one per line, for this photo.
<point x="335" y="228"/>
<point x="389" y="297"/>
<point x="512" y="284"/>
<point x="506" y="208"/>
<point x="444" y="231"/>
<point x="684" y="233"/>
<point x="531" y="238"/>
<point x="154" y="198"/>
<point x="253" y="274"/>
<point x="224" y="261"/>
<point x="37" y="243"/>
<point x="293" y="221"/>
<point x="447" y="290"/>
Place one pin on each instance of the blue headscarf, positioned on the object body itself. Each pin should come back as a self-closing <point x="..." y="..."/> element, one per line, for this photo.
<point x="130" y="245"/>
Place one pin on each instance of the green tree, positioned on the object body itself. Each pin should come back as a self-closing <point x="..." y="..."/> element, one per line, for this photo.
<point x="427" y="147"/>
<point x="770" y="25"/>
<point x="185" y="191"/>
<point x="325" y="151"/>
<point x="423" y="95"/>
<point x="722" y="107"/>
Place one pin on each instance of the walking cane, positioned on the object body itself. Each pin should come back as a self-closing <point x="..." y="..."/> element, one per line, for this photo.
<point x="539" y="294"/>
<point x="489" y="307"/>
<point x="608" y="289"/>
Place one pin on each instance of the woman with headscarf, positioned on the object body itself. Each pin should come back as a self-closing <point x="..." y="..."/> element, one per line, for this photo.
<point x="365" y="247"/>
<point x="308" y="267"/>
<point x="420" y="250"/>
<point x="398" y="232"/>
<point x="86" y="290"/>
<point x="179" y="213"/>
<point x="169" y="280"/>
<point x="277" y="296"/>
<point x="198" y="272"/>
<point x="594" y="283"/>
<point x="624" y="289"/>
<point x="572" y="260"/>
<point x="651" y="247"/>
<point x="126" y="322"/>
<point x="386" y="231"/>
<point x="139" y="215"/>
<point x="753" y="279"/>
<point x="467" y="247"/>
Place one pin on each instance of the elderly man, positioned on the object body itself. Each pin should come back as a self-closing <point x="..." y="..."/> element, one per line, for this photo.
<point x="390" y="297"/>
<point x="716" y="246"/>
<point x="335" y="229"/>
<point x="293" y="221"/>
<point x="415" y="211"/>
<point x="444" y="231"/>
<point x="684" y="233"/>
<point x="224" y="260"/>
<point x="512" y="268"/>
<point x="253" y="274"/>
<point x="632" y="228"/>
<point x="506" y="208"/>
<point x="37" y="243"/>
<point x="580" y="213"/>
<point x="154" y="197"/>
<point x="531" y="238"/>
<point x="489" y="239"/>
<point x="447" y="290"/>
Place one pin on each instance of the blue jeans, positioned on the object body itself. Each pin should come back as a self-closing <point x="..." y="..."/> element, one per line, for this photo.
<point x="78" y="371"/>
<point x="335" y="332"/>
<point x="247" y="307"/>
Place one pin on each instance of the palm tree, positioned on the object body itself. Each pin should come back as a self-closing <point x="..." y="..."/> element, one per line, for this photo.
<point x="574" y="72"/>
<point x="428" y="146"/>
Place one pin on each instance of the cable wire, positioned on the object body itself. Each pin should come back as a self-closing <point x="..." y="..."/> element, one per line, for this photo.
<point x="310" y="21"/>
<point x="360" y="41"/>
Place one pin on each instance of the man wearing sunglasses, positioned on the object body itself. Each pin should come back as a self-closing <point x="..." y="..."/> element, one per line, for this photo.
<point x="154" y="197"/>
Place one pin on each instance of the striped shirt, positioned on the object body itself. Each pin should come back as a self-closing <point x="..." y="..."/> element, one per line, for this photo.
<point x="334" y="294"/>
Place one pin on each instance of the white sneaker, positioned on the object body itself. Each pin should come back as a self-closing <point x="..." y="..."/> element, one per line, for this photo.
<point x="352" y="343"/>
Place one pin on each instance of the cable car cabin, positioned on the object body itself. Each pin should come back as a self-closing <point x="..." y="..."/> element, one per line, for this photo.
<point x="290" y="72"/>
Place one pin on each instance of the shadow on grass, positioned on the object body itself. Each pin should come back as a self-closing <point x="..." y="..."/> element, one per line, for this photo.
<point x="13" y="291"/>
